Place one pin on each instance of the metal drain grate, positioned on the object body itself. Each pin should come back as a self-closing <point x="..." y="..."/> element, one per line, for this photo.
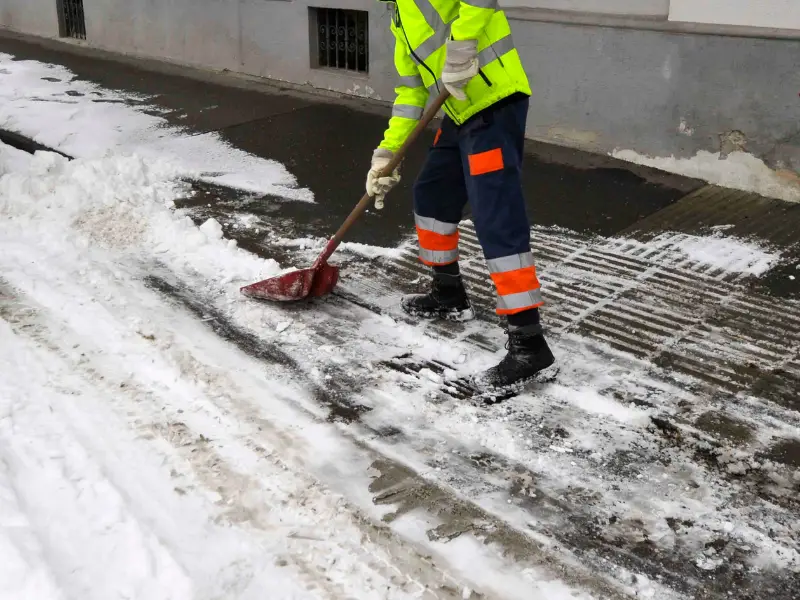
<point x="71" y="19"/>
<point x="341" y="39"/>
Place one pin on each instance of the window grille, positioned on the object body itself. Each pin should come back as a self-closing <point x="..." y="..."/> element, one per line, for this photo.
<point x="72" y="21"/>
<point x="341" y="39"/>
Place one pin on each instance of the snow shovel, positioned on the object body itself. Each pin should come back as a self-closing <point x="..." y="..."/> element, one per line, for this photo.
<point x="321" y="278"/>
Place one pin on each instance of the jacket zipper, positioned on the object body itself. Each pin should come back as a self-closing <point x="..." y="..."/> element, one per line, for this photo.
<point x="399" y="23"/>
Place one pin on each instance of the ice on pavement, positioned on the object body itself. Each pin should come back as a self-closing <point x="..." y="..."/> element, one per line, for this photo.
<point x="49" y="104"/>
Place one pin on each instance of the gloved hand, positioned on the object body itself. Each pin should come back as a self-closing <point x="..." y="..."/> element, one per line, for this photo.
<point x="460" y="65"/>
<point x="378" y="187"/>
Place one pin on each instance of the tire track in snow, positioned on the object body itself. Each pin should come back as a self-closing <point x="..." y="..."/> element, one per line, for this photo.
<point x="240" y="497"/>
<point x="78" y="514"/>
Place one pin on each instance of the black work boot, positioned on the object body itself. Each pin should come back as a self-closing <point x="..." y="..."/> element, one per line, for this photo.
<point x="446" y="300"/>
<point x="529" y="359"/>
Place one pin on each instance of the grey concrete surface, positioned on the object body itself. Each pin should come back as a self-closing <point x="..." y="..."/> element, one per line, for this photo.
<point x="38" y="17"/>
<point x="197" y="32"/>
<point x="649" y="8"/>
<point x="266" y="38"/>
<point x="597" y="88"/>
<point x="659" y="93"/>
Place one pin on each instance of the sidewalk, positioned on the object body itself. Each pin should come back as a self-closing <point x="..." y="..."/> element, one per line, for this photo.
<point x="327" y="146"/>
<point x="667" y="461"/>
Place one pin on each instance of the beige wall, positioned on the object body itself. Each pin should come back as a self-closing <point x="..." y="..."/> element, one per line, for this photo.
<point x="649" y="8"/>
<point x="779" y="14"/>
<point x="39" y="17"/>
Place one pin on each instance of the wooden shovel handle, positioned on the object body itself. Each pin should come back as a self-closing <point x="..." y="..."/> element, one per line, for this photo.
<point x="396" y="160"/>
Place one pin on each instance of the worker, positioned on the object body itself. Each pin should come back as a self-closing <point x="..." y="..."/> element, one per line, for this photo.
<point x="465" y="46"/>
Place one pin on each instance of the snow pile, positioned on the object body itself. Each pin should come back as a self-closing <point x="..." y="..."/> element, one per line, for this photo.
<point x="122" y="204"/>
<point x="12" y="160"/>
<point x="48" y="104"/>
<point x="739" y="170"/>
<point x="716" y="252"/>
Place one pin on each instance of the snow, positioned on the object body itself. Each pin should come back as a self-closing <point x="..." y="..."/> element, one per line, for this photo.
<point x="123" y="203"/>
<point x="738" y="170"/>
<point x="316" y="245"/>
<point x="589" y="400"/>
<point x="49" y="474"/>
<point x="143" y="456"/>
<point x="727" y="254"/>
<point x="49" y="104"/>
<point x="369" y="251"/>
<point x="12" y="160"/>
<point x="716" y="251"/>
<point x="181" y="444"/>
<point x="131" y="428"/>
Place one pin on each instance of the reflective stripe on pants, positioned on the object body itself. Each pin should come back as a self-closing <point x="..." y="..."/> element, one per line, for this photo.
<point x="518" y="288"/>
<point x="438" y="241"/>
<point x="480" y="163"/>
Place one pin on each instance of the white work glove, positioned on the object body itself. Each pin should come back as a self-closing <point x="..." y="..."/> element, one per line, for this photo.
<point x="460" y="65"/>
<point x="378" y="187"/>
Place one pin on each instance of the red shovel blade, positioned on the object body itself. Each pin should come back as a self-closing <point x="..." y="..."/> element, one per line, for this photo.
<point x="313" y="282"/>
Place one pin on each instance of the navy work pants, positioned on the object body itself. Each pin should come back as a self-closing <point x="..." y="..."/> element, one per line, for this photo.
<point x="480" y="163"/>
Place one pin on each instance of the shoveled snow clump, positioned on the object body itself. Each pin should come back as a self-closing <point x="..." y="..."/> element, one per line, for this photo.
<point x="122" y="204"/>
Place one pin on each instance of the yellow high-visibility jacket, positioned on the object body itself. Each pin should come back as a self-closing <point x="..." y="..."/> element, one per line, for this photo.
<point x="421" y="29"/>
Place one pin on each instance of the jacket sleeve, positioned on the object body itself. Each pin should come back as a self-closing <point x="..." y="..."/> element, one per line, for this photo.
<point x="473" y="17"/>
<point x="411" y="96"/>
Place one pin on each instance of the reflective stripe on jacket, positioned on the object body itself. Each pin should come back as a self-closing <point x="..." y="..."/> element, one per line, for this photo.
<point x="421" y="29"/>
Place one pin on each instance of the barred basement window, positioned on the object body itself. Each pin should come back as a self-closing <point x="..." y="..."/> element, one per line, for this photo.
<point x="339" y="39"/>
<point x="71" y="20"/>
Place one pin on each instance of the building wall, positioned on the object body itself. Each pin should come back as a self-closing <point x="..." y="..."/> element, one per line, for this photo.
<point x="38" y="17"/>
<point x="275" y="44"/>
<point x="782" y="14"/>
<point x="595" y="87"/>
<point x="642" y="8"/>
<point x="266" y="38"/>
<point x="659" y="93"/>
<point x="199" y="32"/>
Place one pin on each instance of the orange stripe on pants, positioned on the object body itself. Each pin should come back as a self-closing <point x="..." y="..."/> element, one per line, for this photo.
<point x="516" y="282"/>
<point x="486" y="162"/>
<point x="437" y="241"/>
